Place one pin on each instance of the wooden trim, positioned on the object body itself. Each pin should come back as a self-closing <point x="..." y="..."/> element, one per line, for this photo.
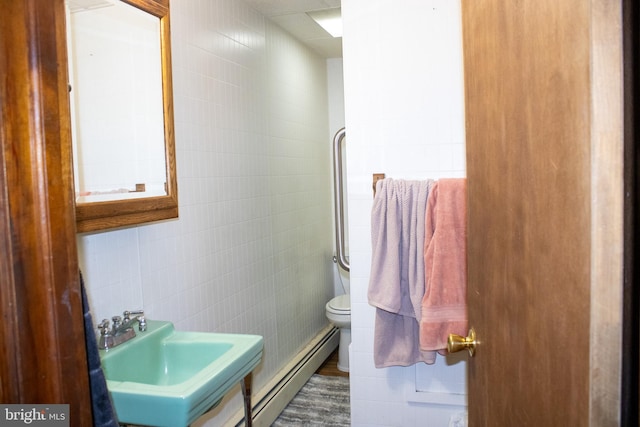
<point x="10" y="386"/>
<point x="159" y="8"/>
<point x="631" y="296"/>
<point x="43" y="358"/>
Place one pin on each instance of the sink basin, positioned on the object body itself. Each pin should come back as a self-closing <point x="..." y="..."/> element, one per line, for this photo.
<point x="164" y="377"/>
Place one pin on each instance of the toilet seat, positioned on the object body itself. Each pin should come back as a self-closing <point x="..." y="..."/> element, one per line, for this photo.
<point x="340" y="305"/>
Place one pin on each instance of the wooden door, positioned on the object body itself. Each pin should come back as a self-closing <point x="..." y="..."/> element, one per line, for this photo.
<point x="543" y="102"/>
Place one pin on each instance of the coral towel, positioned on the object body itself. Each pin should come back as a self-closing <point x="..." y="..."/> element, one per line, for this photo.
<point x="444" y="308"/>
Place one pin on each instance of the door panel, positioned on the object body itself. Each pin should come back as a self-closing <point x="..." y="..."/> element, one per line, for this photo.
<point x="530" y="130"/>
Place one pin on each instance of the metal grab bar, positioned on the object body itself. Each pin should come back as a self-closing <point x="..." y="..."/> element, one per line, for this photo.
<point x="340" y="257"/>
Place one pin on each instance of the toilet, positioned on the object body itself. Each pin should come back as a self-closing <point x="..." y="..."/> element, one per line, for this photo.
<point x="339" y="314"/>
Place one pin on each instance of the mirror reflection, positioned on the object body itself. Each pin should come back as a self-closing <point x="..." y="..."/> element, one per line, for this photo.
<point x="118" y="129"/>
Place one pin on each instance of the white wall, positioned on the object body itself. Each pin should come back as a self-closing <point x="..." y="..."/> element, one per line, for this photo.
<point x="405" y="118"/>
<point x="252" y="249"/>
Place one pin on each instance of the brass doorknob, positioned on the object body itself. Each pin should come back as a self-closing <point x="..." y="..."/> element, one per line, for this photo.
<point x="458" y="343"/>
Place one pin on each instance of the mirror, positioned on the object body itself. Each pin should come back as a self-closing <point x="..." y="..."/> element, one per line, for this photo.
<point x="122" y="112"/>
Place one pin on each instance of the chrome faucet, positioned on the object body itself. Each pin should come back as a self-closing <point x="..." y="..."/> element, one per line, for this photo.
<point x="122" y="329"/>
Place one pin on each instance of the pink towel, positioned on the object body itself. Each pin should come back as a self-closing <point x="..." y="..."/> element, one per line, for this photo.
<point x="397" y="283"/>
<point x="444" y="307"/>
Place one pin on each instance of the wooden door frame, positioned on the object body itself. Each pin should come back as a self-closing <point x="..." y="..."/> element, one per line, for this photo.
<point x="42" y="345"/>
<point x="631" y="296"/>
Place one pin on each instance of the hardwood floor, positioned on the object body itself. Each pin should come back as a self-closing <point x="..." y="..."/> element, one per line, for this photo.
<point x="330" y="367"/>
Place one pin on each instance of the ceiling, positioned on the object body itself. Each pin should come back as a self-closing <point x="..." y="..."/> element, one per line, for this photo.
<point x="290" y="15"/>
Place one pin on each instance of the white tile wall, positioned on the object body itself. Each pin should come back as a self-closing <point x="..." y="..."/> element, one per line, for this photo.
<point x="252" y="249"/>
<point x="405" y="117"/>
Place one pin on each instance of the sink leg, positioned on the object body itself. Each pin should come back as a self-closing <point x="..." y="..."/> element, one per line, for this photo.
<point x="246" y="393"/>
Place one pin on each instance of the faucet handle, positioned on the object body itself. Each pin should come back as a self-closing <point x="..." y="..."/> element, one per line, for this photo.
<point x="142" y="324"/>
<point x="127" y="314"/>
<point x="104" y="327"/>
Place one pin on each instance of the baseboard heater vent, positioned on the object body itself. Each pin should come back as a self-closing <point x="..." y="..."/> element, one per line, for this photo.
<point x="269" y="402"/>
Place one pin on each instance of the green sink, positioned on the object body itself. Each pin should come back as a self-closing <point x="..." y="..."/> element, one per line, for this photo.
<point x="164" y="377"/>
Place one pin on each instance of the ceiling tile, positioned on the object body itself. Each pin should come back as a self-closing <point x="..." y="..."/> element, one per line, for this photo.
<point x="284" y="7"/>
<point x="291" y="16"/>
<point x="301" y="26"/>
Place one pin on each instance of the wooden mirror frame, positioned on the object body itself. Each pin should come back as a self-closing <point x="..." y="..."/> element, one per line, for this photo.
<point x="119" y="213"/>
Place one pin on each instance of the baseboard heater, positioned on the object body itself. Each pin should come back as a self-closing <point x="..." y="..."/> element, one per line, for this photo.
<point x="269" y="402"/>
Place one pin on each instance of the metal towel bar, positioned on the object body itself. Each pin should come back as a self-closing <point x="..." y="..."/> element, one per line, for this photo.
<point x="340" y="257"/>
